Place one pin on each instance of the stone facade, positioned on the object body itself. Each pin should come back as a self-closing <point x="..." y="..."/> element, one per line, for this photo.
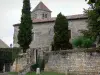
<point x="85" y="63"/>
<point x="23" y="60"/>
<point x="41" y="12"/>
<point x="43" y="27"/>
<point x="27" y="59"/>
<point x="43" y="32"/>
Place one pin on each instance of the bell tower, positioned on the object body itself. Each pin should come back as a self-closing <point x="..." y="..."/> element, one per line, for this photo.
<point x="41" y="12"/>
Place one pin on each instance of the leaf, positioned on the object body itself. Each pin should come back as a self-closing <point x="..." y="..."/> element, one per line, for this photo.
<point x="89" y="2"/>
<point x="98" y="19"/>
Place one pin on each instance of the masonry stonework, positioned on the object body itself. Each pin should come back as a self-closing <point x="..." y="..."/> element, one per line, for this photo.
<point x="86" y="63"/>
<point x="43" y="32"/>
<point x="43" y="25"/>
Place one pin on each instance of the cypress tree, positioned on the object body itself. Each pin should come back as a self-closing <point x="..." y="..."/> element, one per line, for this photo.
<point x="25" y="28"/>
<point x="61" y="35"/>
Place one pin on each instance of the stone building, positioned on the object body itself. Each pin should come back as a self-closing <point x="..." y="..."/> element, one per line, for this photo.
<point x="43" y="25"/>
<point x="3" y="44"/>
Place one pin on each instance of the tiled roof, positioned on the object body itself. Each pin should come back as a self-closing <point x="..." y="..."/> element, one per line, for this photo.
<point x="71" y="17"/>
<point x="41" y="6"/>
<point x="3" y="45"/>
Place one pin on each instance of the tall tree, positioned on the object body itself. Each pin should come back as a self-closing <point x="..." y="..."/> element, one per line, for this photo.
<point x="25" y="28"/>
<point x="95" y="5"/>
<point x="93" y="14"/>
<point x="61" y="35"/>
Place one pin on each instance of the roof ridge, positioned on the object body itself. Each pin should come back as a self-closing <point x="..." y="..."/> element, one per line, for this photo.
<point x="41" y="6"/>
<point x="69" y="17"/>
<point x="3" y="44"/>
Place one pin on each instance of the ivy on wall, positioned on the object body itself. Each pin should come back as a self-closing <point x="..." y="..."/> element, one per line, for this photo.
<point x="8" y="55"/>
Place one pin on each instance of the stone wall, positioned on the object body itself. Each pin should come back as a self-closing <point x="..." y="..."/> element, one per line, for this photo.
<point x="27" y="59"/>
<point x="87" y="63"/>
<point x="43" y="32"/>
<point x="23" y="60"/>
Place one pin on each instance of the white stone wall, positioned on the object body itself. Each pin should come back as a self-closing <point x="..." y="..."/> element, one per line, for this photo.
<point x="84" y="63"/>
<point x="42" y="35"/>
<point x="24" y="60"/>
<point x="43" y="32"/>
<point x="19" y="64"/>
<point x="76" y="25"/>
<point x="15" y="39"/>
<point x="38" y="14"/>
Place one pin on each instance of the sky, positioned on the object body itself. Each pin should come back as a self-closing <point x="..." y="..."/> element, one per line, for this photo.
<point x="11" y="12"/>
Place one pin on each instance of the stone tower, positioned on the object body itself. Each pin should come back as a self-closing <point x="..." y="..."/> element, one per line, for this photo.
<point x="41" y="12"/>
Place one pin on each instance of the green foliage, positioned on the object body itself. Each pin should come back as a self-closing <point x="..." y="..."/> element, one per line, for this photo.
<point x="77" y="42"/>
<point x="86" y="43"/>
<point x="13" y="73"/>
<point x="94" y="2"/>
<point x="34" y="66"/>
<point x="61" y="37"/>
<point x="25" y="28"/>
<point x="39" y="64"/>
<point x="8" y="55"/>
<point x="93" y="19"/>
<point x="88" y="34"/>
<point x="45" y="73"/>
<point x="71" y="73"/>
<point x="82" y="42"/>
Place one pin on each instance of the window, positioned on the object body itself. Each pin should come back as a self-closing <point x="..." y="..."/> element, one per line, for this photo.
<point x="69" y="33"/>
<point x="42" y="16"/>
<point x="34" y="37"/>
<point x="35" y="16"/>
<point x="45" y="15"/>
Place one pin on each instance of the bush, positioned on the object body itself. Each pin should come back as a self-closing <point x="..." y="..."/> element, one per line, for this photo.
<point x="86" y="43"/>
<point x="77" y="42"/>
<point x="34" y="66"/>
<point x="82" y="42"/>
<point x="39" y="64"/>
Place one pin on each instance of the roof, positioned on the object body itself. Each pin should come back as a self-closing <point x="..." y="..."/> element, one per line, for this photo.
<point x="3" y="45"/>
<point x="71" y="17"/>
<point x="41" y="6"/>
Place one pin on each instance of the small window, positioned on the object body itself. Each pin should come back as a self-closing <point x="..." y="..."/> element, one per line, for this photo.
<point x="69" y="33"/>
<point x="34" y="36"/>
<point x="45" y="15"/>
<point x="35" y="16"/>
<point x="42" y="16"/>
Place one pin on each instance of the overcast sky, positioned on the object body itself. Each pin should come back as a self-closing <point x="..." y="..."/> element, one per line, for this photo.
<point x="10" y="13"/>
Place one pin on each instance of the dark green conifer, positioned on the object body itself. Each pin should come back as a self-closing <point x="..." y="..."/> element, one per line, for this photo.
<point x="25" y="28"/>
<point x="61" y="34"/>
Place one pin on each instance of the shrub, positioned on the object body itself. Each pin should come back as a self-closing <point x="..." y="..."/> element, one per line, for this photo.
<point x="77" y="42"/>
<point x="82" y="42"/>
<point x="39" y="64"/>
<point x="86" y="43"/>
<point x="34" y="66"/>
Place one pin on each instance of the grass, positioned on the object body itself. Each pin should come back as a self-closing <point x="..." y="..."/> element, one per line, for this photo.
<point x="13" y="73"/>
<point x="33" y="73"/>
<point x="45" y="73"/>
